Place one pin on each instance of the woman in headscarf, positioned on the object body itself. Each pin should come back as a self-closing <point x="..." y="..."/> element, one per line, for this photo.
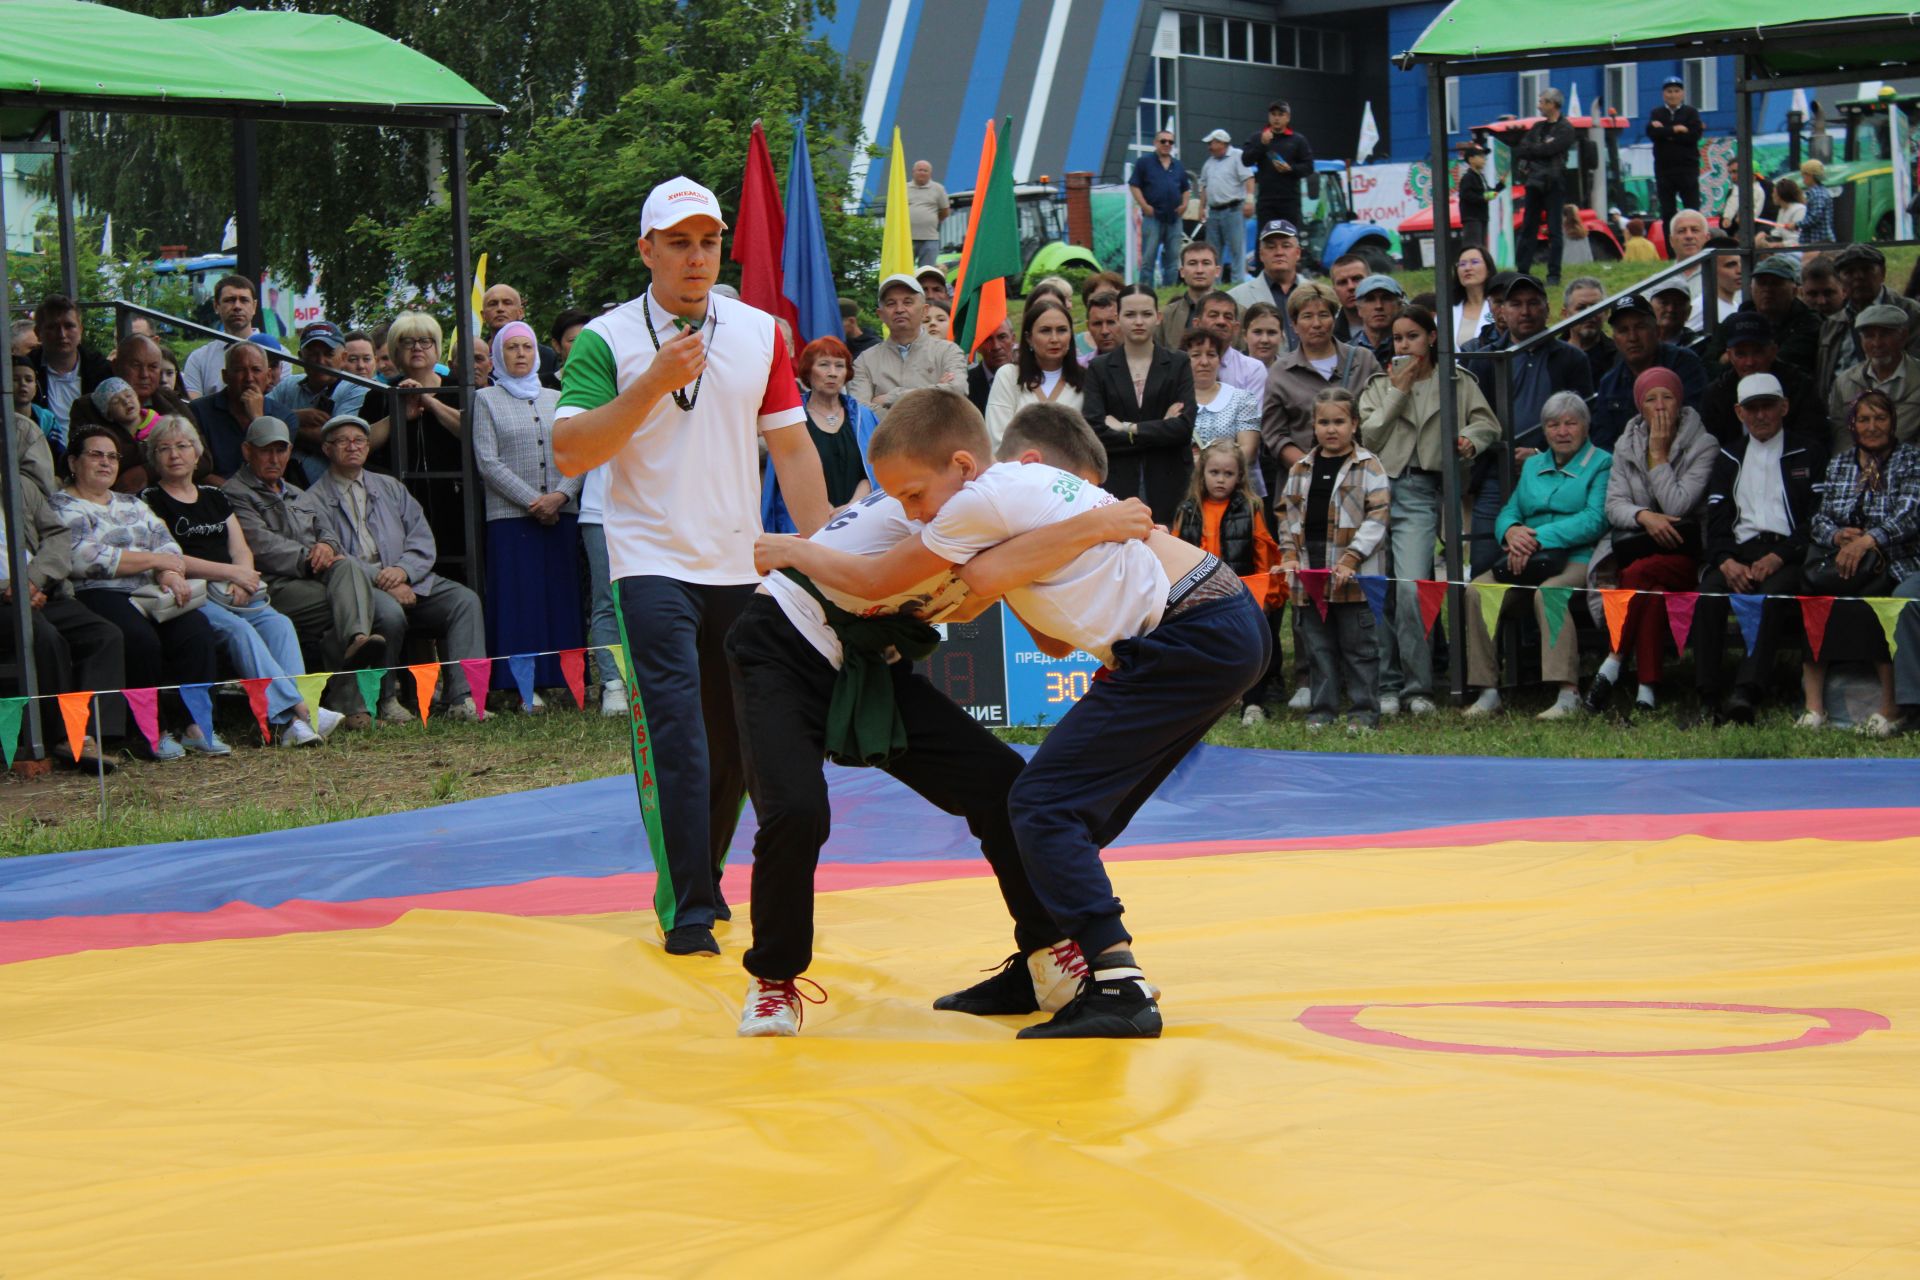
<point x="1865" y="538"/>
<point x="533" y="586"/>
<point x="1656" y="495"/>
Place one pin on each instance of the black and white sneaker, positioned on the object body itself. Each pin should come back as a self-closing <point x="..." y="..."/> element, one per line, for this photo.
<point x="1045" y="982"/>
<point x="1114" y="1003"/>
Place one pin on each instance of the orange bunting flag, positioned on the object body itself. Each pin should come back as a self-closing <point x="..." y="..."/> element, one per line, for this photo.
<point x="1616" y="601"/>
<point x="73" y="710"/>
<point x="425" y="676"/>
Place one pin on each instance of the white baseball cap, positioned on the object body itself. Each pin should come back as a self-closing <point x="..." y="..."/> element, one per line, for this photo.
<point x="676" y="200"/>
<point x="901" y="278"/>
<point x="1218" y="135"/>
<point x="1760" y="386"/>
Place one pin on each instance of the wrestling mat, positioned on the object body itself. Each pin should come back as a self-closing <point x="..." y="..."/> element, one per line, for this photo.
<point x="1425" y="1018"/>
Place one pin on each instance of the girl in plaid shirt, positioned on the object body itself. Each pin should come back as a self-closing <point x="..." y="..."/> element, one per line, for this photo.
<point x="1333" y="516"/>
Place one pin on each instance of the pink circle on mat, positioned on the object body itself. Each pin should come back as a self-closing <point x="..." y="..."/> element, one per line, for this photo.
<point x="1342" y="1021"/>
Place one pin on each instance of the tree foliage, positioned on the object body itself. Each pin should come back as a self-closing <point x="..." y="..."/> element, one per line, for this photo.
<point x="604" y="97"/>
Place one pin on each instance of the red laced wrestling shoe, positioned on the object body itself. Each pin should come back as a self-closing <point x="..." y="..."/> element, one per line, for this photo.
<point x="777" y="1008"/>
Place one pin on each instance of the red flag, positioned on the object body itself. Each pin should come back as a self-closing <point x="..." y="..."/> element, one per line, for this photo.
<point x="1813" y="613"/>
<point x="1314" y="583"/>
<point x="573" y="668"/>
<point x="760" y="233"/>
<point x="1680" y="606"/>
<point x="257" y="699"/>
<point x="1432" y="596"/>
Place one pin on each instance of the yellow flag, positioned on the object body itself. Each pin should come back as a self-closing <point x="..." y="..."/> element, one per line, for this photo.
<point x="1492" y="595"/>
<point x="479" y="289"/>
<point x="896" y="239"/>
<point x="1887" y="609"/>
<point x="311" y="686"/>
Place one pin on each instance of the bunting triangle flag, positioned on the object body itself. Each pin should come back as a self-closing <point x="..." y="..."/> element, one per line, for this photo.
<point x="1680" y="607"/>
<point x="1553" y="605"/>
<point x="199" y="704"/>
<point x="1374" y="587"/>
<point x="73" y="709"/>
<point x="620" y="663"/>
<point x="311" y="686"/>
<point x="1492" y="595"/>
<point x="1314" y="583"/>
<point x="145" y="705"/>
<point x="12" y="712"/>
<point x="520" y="665"/>
<point x="257" y="699"/>
<point x="1887" y="609"/>
<point x="1432" y="596"/>
<point x="1615" y="601"/>
<point x="1746" y="610"/>
<point x="479" y="674"/>
<point x="425" y="676"/>
<point x="573" y="669"/>
<point x="1814" y="611"/>
<point x="369" y="680"/>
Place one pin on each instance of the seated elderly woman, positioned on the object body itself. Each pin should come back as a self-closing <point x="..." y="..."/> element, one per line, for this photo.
<point x="119" y="548"/>
<point x="1656" y="499"/>
<point x="1865" y="538"/>
<point x="257" y="639"/>
<point x="1548" y="529"/>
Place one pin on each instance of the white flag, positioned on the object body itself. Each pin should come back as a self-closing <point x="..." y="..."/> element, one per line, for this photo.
<point x="1573" y="101"/>
<point x="1369" y="136"/>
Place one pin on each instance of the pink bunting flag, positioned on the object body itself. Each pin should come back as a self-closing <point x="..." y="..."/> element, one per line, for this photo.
<point x="257" y="699"/>
<point x="1680" y="607"/>
<point x="479" y="674"/>
<point x="1814" y="611"/>
<point x="425" y="676"/>
<point x="573" y="669"/>
<point x="73" y="710"/>
<point x="1314" y="583"/>
<point x="1432" y="596"/>
<point x="145" y="705"/>
<point x="1616" y="601"/>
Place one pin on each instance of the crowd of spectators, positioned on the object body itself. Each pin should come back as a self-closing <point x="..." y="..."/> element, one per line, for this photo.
<point x="237" y="515"/>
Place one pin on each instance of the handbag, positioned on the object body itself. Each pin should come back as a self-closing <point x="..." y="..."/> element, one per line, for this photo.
<point x="222" y="593"/>
<point x="1638" y="546"/>
<point x="1823" y="578"/>
<point x="1540" y="566"/>
<point x="159" y="605"/>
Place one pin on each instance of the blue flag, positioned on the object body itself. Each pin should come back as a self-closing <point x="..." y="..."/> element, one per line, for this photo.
<point x="1747" y="610"/>
<point x="1374" y="587"/>
<point x="199" y="705"/>
<point x="808" y="275"/>
<point x="521" y="665"/>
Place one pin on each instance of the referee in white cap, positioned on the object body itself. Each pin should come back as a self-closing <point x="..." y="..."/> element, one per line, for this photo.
<point x="673" y="390"/>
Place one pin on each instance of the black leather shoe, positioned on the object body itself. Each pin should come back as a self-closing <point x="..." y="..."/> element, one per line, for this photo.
<point x="1599" y="694"/>
<point x="691" y="940"/>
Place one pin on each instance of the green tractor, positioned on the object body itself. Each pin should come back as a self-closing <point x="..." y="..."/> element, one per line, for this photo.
<point x="1861" y="178"/>
<point x="1041" y="210"/>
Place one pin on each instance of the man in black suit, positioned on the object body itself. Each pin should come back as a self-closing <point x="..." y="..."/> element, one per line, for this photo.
<point x="995" y="351"/>
<point x="1674" y="129"/>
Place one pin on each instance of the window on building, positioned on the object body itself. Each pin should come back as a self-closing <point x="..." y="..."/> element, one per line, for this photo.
<point x="1622" y="95"/>
<point x="1285" y="47"/>
<point x="1309" y="50"/>
<point x="1703" y="82"/>
<point x="1532" y="85"/>
<point x="1159" y="104"/>
<point x="1190" y="34"/>
<point x="1237" y="41"/>
<point x="1213" y="37"/>
<point x="1453" y="105"/>
<point x="1265" y="44"/>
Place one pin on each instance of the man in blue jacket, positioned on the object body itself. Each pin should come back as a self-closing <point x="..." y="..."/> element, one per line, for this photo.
<point x="1637" y="335"/>
<point x="1160" y="185"/>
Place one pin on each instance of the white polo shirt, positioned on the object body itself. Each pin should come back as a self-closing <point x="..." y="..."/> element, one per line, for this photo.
<point x="870" y="527"/>
<point x="1103" y="596"/>
<point x="683" y="493"/>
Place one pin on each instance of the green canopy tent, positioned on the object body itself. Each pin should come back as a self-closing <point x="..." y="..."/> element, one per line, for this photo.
<point x="1776" y="44"/>
<point x="59" y="56"/>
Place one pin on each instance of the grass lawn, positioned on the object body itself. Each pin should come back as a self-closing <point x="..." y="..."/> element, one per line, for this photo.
<point x="391" y="769"/>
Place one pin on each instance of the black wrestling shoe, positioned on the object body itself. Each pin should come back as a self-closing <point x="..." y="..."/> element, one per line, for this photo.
<point x="691" y="940"/>
<point x="1117" y="1004"/>
<point x="1008" y="991"/>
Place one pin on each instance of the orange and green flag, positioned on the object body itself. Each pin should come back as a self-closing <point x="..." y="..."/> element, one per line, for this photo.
<point x="993" y="249"/>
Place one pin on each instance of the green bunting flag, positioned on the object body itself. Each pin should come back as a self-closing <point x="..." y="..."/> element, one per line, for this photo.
<point x="369" y="682"/>
<point x="1553" y="602"/>
<point x="1492" y="596"/>
<point x="11" y="710"/>
<point x="1887" y="609"/>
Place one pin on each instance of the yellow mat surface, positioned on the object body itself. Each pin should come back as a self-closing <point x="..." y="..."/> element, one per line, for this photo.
<point x="477" y="1095"/>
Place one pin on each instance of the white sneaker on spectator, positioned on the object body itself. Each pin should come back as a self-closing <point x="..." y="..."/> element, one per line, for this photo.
<point x="1421" y="705"/>
<point x="1302" y="699"/>
<point x="1811" y="720"/>
<point x="613" y="700"/>
<point x="325" y="721"/>
<point x="204" y="744"/>
<point x="391" y="712"/>
<point x="168" y="749"/>
<point x="534" y="708"/>
<point x="1482" y="707"/>
<point x="465" y="711"/>
<point x="298" y="733"/>
<point x="1254" y="714"/>
<point x="1389" y="704"/>
<point x="1877" y="726"/>
<point x="1565" y="707"/>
